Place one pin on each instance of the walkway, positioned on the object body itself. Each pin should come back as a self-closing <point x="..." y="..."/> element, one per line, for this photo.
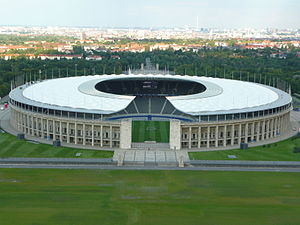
<point x="156" y="157"/>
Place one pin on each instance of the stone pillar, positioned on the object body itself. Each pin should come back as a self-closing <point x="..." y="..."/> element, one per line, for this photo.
<point x="42" y="127"/>
<point x="68" y="132"/>
<point x="268" y="129"/>
<point x="175" y="134"/>
<point x="110" y="136"/>
<point x="225" y="136"/>
<point x="83" y="134"/>
<point x="272" y="128"/>
<point x="101" y="135"/>
<point x="232" y="134"/>
<point x="75" y="128"/>
<point x="53" y="129"/>
<point x="252" y="131"/>
<point x="60" y="131"/>
<point x="275" y="127"/>
<point x="240" y="134"/>
<point x="93" y="135"/>
<point x="208" y="137"/>
<point x="217" y="136"/>
<point x="190" y="137"/>
<point x="125" y="134"/>
<point x="32" y="126"/>
<point x="258" y="131"/>
<point x="263" y="130"/>
<point x="199" y="137"/>
<point x="48" y="132"/>
<point x="246" y="132"/>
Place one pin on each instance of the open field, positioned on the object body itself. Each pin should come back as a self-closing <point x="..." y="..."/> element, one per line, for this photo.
<point x="104" y="197"/>
<point x="11" y="147"/>
<point x="158" y="131"/>
<point x="281" y="151"/>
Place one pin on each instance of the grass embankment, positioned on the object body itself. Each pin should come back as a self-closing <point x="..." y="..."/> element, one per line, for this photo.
<point x="281" y="151"/>
<point x="103" y="197"/>
<point x="11" y="147"/>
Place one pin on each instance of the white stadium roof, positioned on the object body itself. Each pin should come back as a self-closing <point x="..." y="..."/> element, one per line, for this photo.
<point x="221" y="95"/>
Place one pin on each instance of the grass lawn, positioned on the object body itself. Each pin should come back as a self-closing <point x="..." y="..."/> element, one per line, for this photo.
<point x="102" y="197"/>
<point x="11" y="147"/>
<point x="158" y="131"/>
<point x="281" y="151"/>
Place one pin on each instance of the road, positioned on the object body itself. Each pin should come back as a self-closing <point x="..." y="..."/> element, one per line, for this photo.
<point x="95" y="164"/>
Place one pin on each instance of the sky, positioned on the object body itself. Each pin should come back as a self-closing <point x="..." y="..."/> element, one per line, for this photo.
<point x="152" y="13"/>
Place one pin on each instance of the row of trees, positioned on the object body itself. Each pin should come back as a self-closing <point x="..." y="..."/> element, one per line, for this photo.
<point x="249" y="65"/>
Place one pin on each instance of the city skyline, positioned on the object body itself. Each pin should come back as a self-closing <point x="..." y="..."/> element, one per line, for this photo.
<point x="156" y="14"/>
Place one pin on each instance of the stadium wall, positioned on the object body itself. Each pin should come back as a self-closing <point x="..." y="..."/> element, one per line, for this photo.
<point x="183" y="135"/>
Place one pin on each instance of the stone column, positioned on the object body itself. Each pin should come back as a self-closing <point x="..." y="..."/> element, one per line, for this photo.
<point x="93" y="135"/>
<point x="175" y="134"/>
<point x="275" y="127"/>
<point x="101" y="135"/>
<point x="53" y="129"/>
<point x="68" y="132"/>
<point x="60" y="131"/>
<point x="272" y="128"/>
<point x="125" y="134"/>
<point x="217" y="136"/>
<point x="42" y="127"/>
<point x="32" y="125"/>
<point x="225" y="136"/>
<point x="110" y="136"/>
<point x="208" y="137"/>
<point x="75" y="127"/>
<point x="190" y="137"/>
<point x="246" y="132"/>
<point x="252" y="131"/>
<point x="268" y="129"/>
<point x="240" y="134"/>
<point x="83" y="133"/>
<point x="199" y="137"/>
<point x="258" y="131"/>
<point x="232" y="134"/>
<point x="263" y="130"/>
<point x="48" y="133"/>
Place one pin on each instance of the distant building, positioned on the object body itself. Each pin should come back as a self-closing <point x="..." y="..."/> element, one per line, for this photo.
<point x="94" y="57"/>
<point x="58" y="57"/>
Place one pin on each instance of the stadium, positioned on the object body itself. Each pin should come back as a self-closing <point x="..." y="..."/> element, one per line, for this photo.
<point x="153" y="110"/>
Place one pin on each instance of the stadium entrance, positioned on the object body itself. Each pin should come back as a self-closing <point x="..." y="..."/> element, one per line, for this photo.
<point x="150" y="131"/>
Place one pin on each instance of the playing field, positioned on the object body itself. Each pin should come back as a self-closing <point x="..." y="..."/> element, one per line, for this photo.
<point x="158" y="131"/>
<point x="104" y="197"/>
<point x="11" y="147"/>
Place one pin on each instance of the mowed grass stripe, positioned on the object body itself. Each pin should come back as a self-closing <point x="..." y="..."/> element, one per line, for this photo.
<point x="92" y="197"/>
<point x="11" y="147"/>
<point x="281" y="151"/>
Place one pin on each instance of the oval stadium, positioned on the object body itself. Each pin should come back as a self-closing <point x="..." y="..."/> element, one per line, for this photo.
<point x="166" y="111"/>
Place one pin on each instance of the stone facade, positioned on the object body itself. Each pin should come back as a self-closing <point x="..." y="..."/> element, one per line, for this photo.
<point x="225" y="133"/>
<point x="117" y="134"/>
<point x="75" y="131"/>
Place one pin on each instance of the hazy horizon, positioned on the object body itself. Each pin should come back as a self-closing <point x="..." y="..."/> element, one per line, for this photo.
<point x="230" y="14"/>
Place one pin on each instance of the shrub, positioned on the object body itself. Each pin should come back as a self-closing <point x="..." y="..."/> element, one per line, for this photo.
<point x="296" y="149"/>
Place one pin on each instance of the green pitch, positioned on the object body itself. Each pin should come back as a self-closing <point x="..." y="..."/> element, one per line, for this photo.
<point x="104" y="197"/>
<point x="158" y="131"/>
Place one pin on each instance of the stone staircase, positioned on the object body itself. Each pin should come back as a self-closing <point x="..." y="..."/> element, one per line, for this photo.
<point x="150" y="146"/>
<point x="151" y="157"/>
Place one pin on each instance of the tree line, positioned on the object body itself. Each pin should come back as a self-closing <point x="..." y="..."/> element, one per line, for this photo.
<point x="252" y="65"/>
